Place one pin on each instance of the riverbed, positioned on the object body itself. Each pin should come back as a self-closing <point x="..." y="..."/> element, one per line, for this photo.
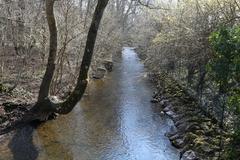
<point x="114" y="121"/>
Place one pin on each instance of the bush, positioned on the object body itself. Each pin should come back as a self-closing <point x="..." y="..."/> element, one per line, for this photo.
<point x="225" y="68"/>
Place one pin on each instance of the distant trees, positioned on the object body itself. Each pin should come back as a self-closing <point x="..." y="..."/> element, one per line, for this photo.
<point x="24" y="31"/>
<point x="176" y="41"/>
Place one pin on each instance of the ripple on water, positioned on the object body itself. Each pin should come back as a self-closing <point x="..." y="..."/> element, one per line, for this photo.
<point x="115" y="121"/>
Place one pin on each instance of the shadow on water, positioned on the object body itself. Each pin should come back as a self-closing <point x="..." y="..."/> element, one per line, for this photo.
<point x="27" y="144"/>
<point x="116" y="121"/>
<point x="21" y="144"/>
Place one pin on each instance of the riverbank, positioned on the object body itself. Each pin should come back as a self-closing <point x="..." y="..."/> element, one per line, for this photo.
<point x="115" y="121"/>
<point x="197" y="135"/>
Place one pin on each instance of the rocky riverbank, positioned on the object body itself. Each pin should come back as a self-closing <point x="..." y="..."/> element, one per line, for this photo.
<point x="198" y="136"/>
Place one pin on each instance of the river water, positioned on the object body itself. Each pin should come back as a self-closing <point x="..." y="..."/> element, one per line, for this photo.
<point x="116" y="121"/>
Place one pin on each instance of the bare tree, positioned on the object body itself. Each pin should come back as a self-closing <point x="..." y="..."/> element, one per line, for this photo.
<point x="44" y="104"/>
<point x="45" y="85"/>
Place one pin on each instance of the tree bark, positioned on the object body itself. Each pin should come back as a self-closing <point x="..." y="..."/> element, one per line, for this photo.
<point x="46" y="82"/>
<point x="82" y="82"/>
<point x="45" y="107"/>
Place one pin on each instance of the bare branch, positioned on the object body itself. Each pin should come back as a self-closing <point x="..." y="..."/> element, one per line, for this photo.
<point x="150" y="6"/>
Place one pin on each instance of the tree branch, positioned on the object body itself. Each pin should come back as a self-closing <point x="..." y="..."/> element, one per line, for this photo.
<point x="150" y="6"/>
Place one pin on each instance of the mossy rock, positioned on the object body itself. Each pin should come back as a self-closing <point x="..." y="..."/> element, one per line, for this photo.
<point x="190" y="137"/>
<point x="200" y="140"/>
<point x="214" y="140"/>
<point x="178" y="143"/>
<point x="203" y="147"/>
<point x="199" y="132"/>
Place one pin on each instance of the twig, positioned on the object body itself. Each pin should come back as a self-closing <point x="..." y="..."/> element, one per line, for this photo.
<point x="151" y="6"/>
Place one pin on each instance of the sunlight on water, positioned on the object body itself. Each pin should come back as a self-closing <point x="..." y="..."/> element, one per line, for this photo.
<point x="115" y="121"/>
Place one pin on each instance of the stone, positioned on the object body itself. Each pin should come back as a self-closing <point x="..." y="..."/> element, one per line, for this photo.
<point x="172" y="131"/>
<point x="171" y="114"/>
<point x="199" y="132"/>
<point x="174" y="137"/>
<point x="190" y="137"/>
<point x="100" y="73"/>
<point x="154" y="100"/>
<point x="178" y="143"/>
<point x="189" y="155"/>
<point x="178" y="118"/>
<point x="202" y="146"/>
<point x="168" y="108"/>
<point x="108" y="65"/>
<point x="155" y="94"/>
<point x="177" y="123"/>
<point x="164" y="102"/>
<point x="207" y="148"/>
<point x="192" y="127"/>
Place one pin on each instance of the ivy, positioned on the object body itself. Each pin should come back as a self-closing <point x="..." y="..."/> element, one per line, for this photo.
<point x="225" y="68"/>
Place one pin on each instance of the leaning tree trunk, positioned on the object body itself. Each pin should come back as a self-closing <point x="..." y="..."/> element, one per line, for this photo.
<point x="82" y="82"/>
<point x="44" y="105"/>
<point x="46" y="82"/>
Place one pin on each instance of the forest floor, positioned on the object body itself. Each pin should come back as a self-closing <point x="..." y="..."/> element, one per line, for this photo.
<point x="20" y="80"/>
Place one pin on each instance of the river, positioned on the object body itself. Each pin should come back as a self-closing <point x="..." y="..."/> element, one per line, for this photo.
<point x="115" y="121"/>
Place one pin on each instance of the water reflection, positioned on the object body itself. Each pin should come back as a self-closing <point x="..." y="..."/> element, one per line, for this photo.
<point x="50" y="145"/>
<point x="140" y="125"/>
<point x="115" y="122"/>
<point x="22" y="146"/>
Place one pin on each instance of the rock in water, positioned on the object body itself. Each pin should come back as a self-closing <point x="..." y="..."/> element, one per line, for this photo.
<point x="108" y="65"/>
<point x="178" y="143"/>
<point x="99" y="74"/>
<point x="154" y="100"/>
<point x="189" y="155"/>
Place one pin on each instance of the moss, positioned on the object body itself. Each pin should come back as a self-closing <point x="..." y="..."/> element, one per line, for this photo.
<point x="3" y="88"/>
<point x="199" y="132"/>
<point x="190" y="137"/>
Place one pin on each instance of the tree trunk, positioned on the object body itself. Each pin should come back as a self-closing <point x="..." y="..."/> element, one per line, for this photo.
<point x="45" y="106"/>
<point x="46" y="82"/>
<point x="82" y="82"/>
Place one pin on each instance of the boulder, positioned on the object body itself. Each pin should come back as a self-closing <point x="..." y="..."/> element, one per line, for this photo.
<point x="192" y="126"/>
<point x="174" y="137"/>
<point x="190" y="137"/>
<point x="168" y="108"/>
<point x="100" y="73"/>
<point x="164" y="102"/>
<point x="171" y="114"/>
<point x="178" y="143"/>
<point x="154" y="100"/>
<point x="172" y="131"/>
<point x="189" y="155"/>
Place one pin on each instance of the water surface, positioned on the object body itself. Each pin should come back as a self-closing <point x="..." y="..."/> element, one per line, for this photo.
<point x="116" y="121"/>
